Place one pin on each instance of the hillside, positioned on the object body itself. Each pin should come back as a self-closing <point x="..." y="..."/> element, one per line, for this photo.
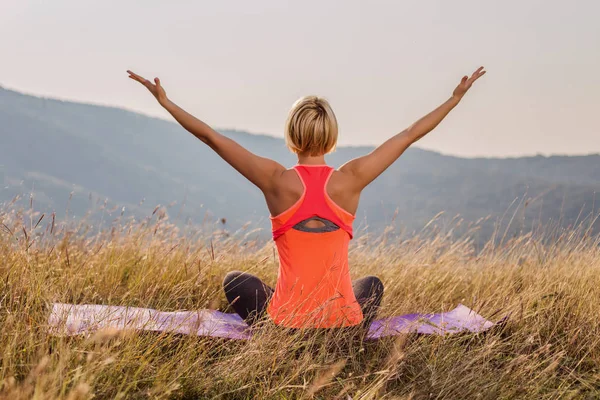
<point x="137" y="162"/>
<point x="548" y="348"/>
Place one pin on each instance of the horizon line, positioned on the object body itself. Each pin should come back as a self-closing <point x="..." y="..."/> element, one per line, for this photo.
<point x="270" y="135"/>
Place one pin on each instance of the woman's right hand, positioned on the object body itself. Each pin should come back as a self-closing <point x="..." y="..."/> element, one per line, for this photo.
<point x="155" y="88"/>
<point x="466" y="83"/>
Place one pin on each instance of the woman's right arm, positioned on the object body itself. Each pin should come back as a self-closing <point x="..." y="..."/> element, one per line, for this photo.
<point x="258" y="170"/>
<point x="366" y="168"/>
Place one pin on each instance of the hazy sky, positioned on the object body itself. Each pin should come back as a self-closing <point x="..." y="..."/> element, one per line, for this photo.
<point x="382" y="64"/>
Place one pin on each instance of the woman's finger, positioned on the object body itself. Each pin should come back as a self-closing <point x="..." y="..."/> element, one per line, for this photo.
<point x="145" y="82"/>
<point x="479" y="75"/>
<point x="134" y="74"/>
<point x="476" y="73"/>
<point x="137" y="77"/>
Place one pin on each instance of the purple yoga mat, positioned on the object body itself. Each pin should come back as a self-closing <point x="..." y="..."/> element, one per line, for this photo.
<point x="69" y="319"/>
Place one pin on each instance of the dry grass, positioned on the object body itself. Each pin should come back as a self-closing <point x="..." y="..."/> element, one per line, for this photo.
<point x="550" y="348"/>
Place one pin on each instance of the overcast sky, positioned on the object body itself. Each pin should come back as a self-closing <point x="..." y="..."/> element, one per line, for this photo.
<point x="382" y="64"/>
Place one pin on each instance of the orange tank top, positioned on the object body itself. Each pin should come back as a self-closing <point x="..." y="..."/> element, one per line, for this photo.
<point x="314" y="289"/>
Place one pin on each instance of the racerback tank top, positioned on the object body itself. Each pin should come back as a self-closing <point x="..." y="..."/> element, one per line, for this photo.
<point x="314" y="289"/>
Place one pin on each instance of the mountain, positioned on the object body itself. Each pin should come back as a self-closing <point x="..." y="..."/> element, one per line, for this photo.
<point x="53" y="148"/>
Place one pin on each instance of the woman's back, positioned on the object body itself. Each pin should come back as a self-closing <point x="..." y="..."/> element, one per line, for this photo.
<point x="314" y="288"/>
<point x="289" y="189"/>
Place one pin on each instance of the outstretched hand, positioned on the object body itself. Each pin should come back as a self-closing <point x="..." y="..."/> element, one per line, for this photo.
<point x="155" y="88"/>
<point x="466" y="83"/>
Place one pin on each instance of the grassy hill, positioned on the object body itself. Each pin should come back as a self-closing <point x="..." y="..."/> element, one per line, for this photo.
<point x="548" y="349"/>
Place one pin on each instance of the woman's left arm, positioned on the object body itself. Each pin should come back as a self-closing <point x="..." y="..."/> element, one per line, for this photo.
<point x="258" y="170"/>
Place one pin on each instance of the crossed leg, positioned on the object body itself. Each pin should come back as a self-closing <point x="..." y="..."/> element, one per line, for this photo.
<point x="249" y="296"/>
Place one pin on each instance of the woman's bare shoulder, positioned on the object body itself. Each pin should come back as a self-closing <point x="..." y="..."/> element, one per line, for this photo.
<point x="287" y="190"/>
<point x="342" y="181"/>
<point x="341" y="188"/>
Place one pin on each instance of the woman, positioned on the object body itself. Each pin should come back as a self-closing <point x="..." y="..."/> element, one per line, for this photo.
<point x="312" y="208"/>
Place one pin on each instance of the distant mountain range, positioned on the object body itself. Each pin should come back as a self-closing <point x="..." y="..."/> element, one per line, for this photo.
<point x="133" y="161"/>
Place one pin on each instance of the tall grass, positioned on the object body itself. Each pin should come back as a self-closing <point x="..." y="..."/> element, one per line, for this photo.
<point x="549" y="348"/>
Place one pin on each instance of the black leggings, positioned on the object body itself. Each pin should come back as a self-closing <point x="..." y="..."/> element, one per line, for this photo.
<point x="249" y="296"/>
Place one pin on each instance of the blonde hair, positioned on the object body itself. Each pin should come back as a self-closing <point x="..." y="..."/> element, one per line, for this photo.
<point x="311" y="127"/>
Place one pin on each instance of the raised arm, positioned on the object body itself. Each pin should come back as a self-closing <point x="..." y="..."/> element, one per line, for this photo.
<point x="258" y="170"/>
<point x="366" y="168"/>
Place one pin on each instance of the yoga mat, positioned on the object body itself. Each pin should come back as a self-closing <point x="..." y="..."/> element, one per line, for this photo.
<point x="70" y="319"/>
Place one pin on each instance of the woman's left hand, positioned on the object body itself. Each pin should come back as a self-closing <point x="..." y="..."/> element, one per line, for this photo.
<point x="155" y="88"/>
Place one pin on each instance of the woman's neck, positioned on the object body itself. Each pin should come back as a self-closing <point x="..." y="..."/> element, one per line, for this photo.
<point x="311" y="160"/>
